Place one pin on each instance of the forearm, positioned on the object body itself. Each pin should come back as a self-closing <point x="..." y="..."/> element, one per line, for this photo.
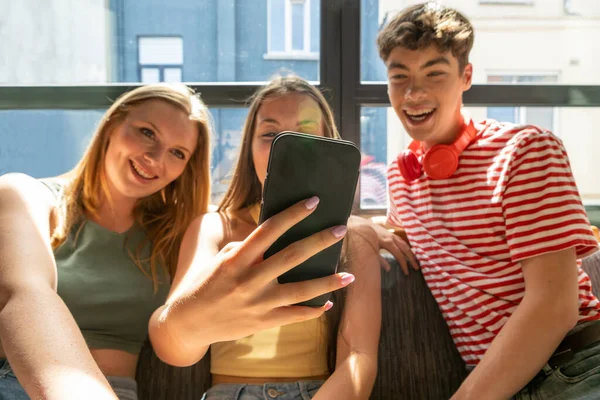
<point x="46" y="349"/>
<point x="358" y="332"/>
<point x="519" y="351"/>
<point x="353" y="378"/>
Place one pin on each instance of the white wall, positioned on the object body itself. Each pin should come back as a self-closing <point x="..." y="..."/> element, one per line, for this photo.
<point x="54" y="42"/>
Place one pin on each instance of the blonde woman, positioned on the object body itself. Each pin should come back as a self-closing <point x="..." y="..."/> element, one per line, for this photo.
<point x="86" y="259"/>
<point x="292" y="361"/>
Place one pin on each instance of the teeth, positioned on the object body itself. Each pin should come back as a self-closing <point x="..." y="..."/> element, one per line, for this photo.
<point x="420" y="113"/>
<point x="140" y="171"/>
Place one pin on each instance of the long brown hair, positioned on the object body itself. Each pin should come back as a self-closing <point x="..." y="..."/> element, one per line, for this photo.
<point x="245" y="188"/>
<point x="164" y="215"/>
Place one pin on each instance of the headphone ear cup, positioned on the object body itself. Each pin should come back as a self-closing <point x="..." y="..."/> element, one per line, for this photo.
<point x="440" y="162"/>
<point x="409" y="165"/>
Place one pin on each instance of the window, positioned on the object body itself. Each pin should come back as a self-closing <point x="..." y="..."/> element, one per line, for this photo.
<point x="383" y="137"/>
<point x="525" y="36"/>
<point x="67" y="134"/>
<point x="289" y="30"/>
<point x="231" y="47"/>
<point x="540" y="116"/>
<point x="160" y="59"/>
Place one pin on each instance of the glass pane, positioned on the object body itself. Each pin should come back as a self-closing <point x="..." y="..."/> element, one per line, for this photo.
<point x="98" y="42"/>
<point x="160" y="50"/>
<point x="383" y="137"/>
<point x="507" y="114"/>
<point x="226" y="144"/>
<point x="540" y="116"/>
<point x="277" y="25"/>
<point x="51" y="142"/>
<point x="46" y="142"/>
<point x="150" y="75"/>
<point x="549" y="36"/>
<point x="172" y="74"/>
<point x="297" y="26"/>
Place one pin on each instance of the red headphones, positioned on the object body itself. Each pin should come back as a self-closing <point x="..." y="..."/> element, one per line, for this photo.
<point x="440" y="161"/>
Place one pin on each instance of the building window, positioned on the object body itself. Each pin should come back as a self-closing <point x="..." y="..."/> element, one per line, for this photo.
<point x="289" y="30"/>
<point x="160" y="59"/>
<point x="540" y="116"/>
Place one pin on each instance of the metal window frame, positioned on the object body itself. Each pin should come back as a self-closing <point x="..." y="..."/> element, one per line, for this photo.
<point x="340" y="82"/>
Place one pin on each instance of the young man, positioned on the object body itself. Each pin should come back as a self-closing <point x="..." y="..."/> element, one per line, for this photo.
<point x="495" y="220"/>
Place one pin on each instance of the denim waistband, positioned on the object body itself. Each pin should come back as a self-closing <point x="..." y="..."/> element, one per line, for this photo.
<point x="301" y="390"/>
<point x="124" y="387"/>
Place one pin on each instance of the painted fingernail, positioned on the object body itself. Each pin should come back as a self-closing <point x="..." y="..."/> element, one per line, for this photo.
<point x="347" y="278"/>
<point x="328" y="305"/>
<point x="339" y="231"/>
<point x="312" y="202"/>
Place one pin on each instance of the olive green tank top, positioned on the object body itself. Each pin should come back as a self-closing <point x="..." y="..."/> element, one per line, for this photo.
<point x="105" y="291"/>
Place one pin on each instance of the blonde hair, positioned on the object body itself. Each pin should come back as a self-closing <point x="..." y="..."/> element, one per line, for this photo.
<point x="164" y="215"/>
<point x="245" y="188"/>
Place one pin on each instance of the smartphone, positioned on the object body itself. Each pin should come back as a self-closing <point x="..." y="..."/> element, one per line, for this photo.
<point x="301" y="166"/>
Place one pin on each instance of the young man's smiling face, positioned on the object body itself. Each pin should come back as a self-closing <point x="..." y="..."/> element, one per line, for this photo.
<point x="425" y="88"/>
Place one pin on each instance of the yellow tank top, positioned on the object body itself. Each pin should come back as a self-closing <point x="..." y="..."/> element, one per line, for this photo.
<point x="289" y="351"/>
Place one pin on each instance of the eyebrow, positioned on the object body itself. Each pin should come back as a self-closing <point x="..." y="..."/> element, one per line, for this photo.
<point x="267" y="121"/>
<point x="430" y="63"/>
<point x="182" y="148"/>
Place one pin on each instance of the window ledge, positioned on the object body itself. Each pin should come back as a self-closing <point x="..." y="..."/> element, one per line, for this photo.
<point x="291" y="56"/>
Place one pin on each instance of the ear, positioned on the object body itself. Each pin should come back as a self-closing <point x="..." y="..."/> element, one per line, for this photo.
<point x="467" y="77"/>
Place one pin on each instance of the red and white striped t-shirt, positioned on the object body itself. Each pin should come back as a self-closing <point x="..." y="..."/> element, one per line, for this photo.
<point x="512" y="197"/>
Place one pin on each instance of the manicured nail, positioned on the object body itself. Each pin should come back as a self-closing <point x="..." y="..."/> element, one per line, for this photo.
<point x="312" y="202"/>
<point x="328" y="305"/>
<point x="339" y="231"/>
<point x="347" y="278"/>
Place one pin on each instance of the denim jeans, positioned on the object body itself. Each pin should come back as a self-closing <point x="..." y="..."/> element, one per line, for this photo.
<point x="11" y="389"/>
<point x="301" y="390"/>
<point x="578" y="378"/>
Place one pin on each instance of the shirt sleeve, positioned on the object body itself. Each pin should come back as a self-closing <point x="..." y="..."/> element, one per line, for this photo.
<point x="541" y="204"/>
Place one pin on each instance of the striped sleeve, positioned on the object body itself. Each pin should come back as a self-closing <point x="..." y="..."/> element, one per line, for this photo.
<point x="393" y="218"/>
<point x="542" y="209"/>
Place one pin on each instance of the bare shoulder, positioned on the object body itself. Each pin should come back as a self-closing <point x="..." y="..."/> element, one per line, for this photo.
<point x="207" y="228"/>
<point x="203" y="239"/>
<point x="18" y="190"/>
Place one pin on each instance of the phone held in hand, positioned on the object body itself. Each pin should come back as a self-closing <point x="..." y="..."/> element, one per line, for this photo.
<point x="302" y="166"/>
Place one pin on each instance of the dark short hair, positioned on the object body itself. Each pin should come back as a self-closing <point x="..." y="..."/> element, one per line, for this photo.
<point x="422" y="25"/>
